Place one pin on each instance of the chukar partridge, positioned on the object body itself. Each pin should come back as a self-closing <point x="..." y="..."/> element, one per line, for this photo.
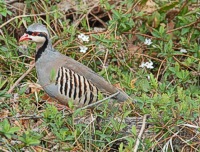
<point x="62" y="77"/>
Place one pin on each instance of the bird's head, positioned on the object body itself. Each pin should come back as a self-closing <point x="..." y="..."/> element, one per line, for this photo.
<point x="36" y="32"/>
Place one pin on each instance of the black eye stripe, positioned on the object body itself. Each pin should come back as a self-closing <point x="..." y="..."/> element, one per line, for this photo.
<point x="29" y="32"/>
<point x="39" y="33"/>
<point x="42" y="34"/>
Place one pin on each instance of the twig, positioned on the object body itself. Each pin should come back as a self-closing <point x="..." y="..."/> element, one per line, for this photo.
<point x="24" y="117"/>
<point x="124" y="137"/>
<point x="149" y="57"/>
<point x="90" y="105"/>
<point x="93" y="119"/>
<point x="182" y="139"/>
<point x="183" y="26"/>
<point x="16" y="83"/>
<point x="98" y="19"/>
<point x="187" y="56"/>
<point x="160" y="69"/>
<point x="11" y="1"/>
<point x="24" y="16"/>
<point x="3" y="150"/>
<point x="183" y="64"/>
<point x="140" y="134"/>
<point x="80" y="19"/>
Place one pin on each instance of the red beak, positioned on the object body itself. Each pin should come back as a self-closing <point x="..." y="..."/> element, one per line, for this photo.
<point x="24" y="37"/>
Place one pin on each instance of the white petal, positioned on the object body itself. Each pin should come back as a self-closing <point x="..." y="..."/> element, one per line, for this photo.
<point x="148" y="42"/>
<point x="85" y="38"/>
<point x="142" y="65"/>
<point x="149" y="65"/>
<point x="80" y="36"/>
<point x="83" y="49"/>
<point x="183" y="51"/>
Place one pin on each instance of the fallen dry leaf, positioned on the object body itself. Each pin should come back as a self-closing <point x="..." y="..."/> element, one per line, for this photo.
<point x="150" y="6"/>
<point x="133" y="83"/>
<point x="4" y="113"/>
<point x="117" y="85"/>
<point x="39" y="149"/>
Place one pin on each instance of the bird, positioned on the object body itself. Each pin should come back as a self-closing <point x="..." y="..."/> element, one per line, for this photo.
<point x="64" y="78"/>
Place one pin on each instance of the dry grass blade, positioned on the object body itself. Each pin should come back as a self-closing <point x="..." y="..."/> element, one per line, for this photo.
<point x="139" y="138"/>
<point x="22" y="77"/>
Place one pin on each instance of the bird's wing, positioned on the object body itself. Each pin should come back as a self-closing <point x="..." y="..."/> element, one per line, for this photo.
<point x="93" y="77"/>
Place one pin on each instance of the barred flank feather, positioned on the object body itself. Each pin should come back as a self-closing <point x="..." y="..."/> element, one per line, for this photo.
<point x="76" y="87"/>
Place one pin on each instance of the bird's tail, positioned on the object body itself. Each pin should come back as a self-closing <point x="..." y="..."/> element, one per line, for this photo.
<point x="121" y="96"/>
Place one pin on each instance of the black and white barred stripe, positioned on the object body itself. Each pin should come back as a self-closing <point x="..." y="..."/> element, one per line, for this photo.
<point x="76" y="87"/>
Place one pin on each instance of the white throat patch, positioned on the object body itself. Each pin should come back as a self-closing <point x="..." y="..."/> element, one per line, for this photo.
<point x="37" y="39"/>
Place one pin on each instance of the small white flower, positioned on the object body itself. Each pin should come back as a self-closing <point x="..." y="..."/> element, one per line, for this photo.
<point x="148" y="65"/>
<point x="83" y="37"/>
<point x="183" y="51"/>
<point x="148" y="42"/>
<point x="142" y="65"/>
<point x="83" y="49"/>
<point x="148" y="77"/>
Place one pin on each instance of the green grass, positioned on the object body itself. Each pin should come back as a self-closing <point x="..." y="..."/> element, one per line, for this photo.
<point x="169" y="92"/>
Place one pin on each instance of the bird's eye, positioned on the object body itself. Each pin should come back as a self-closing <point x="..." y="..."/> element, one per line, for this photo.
<point x="35" y="33"/>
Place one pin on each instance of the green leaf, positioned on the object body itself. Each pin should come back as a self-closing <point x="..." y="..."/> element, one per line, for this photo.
<point x="153" y="81"/>
<point x="168" y="7"/>
<point x="2" y="82"/>
<point x="4" y="13"/>
<point x="53" y="75"/>
<point x="117" y="14"/>
<point x="185" y="30"/>
<point x="121" y="146"/>
<point x="115" y="124"/>
<point x="162" y="29"/>
<point x="13" y="130"/>
<point x="179" y="74"/>
<point x="143" y="2"/>
<point x="134" y="130"/>
<point x="29" y="138"/>
<point x="76" y="112"/>
<point x="6" y="126"/>
<point x="22" y="90"/>
<point x="7" y="135"/>
<point x="6" y="129"/>
<point x="156" y="33"/>
<point x="177" y="67"/>
<point x="184" y="10"/>
<point x="71" y="104"/>
<point x="33" y="142"/>
<point x="144" y="84"/>
<point x="126" y="113"/>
